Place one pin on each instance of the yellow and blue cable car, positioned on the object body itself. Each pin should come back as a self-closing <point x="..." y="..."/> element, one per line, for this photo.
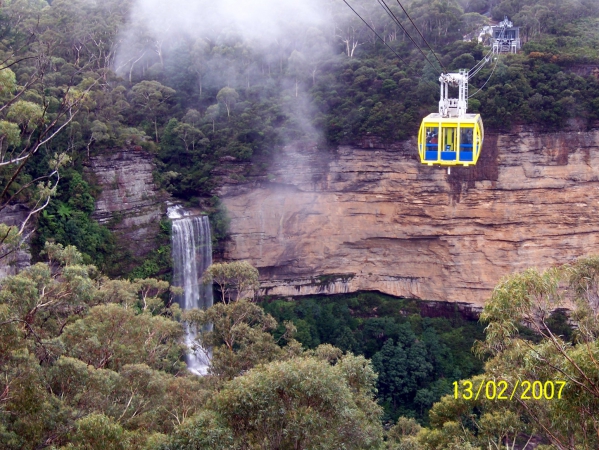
<point x="451" y="137"/>
<point x="450" y="141"/>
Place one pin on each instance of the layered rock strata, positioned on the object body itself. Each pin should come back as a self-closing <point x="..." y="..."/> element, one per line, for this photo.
<point x="129" y="202"/>
<point x="371" y="217"/>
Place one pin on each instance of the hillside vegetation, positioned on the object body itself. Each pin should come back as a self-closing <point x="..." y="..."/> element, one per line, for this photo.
<point x="89" y="362"/>
<point x="92" y="357"/>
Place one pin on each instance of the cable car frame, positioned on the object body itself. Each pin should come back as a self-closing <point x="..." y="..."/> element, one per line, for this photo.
<point x="448" y="141"/>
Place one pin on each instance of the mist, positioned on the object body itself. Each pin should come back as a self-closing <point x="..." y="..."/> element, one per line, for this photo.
<point x="260" y="22"/>
<point x="269" y="31"/>
<point x="254" y="19"/>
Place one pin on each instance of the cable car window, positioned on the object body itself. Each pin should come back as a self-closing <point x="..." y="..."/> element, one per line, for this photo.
<point x="466" y="141"/>
<point x="432" y="144"/>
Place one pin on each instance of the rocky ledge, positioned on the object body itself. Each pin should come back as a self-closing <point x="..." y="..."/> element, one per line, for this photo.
<point x="370" y="217"/>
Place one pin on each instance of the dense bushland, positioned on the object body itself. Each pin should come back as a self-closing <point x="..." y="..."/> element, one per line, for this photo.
<point x="416" y="358"/>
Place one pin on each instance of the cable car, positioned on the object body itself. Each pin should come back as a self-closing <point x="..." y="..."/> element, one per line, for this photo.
<point x="451" y="137"/>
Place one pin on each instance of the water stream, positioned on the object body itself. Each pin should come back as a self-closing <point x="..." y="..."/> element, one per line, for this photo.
<point x="192" y="254"/>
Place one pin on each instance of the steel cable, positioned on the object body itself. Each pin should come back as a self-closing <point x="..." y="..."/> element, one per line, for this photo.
<point x="376" y="34"/>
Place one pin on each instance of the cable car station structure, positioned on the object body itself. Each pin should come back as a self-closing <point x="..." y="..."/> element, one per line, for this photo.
<point x="505" y="37"/>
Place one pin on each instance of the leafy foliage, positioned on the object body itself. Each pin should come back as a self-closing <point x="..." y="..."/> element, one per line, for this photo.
<point x="86" y="361"/>
<point x="278" y="397"/>
<point x="531" y="298"/>
<point x="237" y="277"/>
<point x="84" y="357"/>
<point x="159" y="262"/>
<point x="303" y="403"/>
<point x="416" y="358"/>
<point x="67" y="220"/>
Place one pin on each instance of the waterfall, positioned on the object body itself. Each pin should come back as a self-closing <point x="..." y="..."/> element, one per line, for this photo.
<point x="192" y="254"/>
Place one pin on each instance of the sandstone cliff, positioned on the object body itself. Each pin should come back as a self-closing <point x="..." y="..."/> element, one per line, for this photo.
<point x="129" y="203"/>
<point x="373" y="218"/>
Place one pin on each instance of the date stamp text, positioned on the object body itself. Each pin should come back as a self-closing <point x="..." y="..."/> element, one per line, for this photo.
<point x="501" y="390"/>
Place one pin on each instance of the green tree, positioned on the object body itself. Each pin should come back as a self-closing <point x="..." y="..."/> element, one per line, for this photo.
<point x="154" y="100"/>
<point x="27" y="115"/>
<point x="227" y="96"/>
<point x="521" y="302"/>
<point x="199" y="58"/>
<point x="301" y="403"/>
<point x="237" y="278"/>
<point x="111" y="336"/>
<point x="190" y="136"/>
<point x="84" y="358"/>
<point x="98" y="431"/>
<point x="239" y="335"/>
<point x="212" y="112"/>
<point x="206" y="430"/>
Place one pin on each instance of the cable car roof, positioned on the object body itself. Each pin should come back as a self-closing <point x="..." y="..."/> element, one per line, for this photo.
<point x="466" y="118"/>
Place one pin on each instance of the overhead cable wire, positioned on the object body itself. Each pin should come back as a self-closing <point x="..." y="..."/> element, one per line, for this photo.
<point x="478" y="67"/>
<point x="485" y="83"/>
<point x="421" y="35"/>
<point x="376" y="34"/>
<point x="482" y="61"/>
<point x="396" y="20"/>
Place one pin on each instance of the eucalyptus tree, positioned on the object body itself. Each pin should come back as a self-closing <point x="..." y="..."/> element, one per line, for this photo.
<point x="83" y="356"/>
<point x="303" y="403"/>
<point x="237" y="278"/>
<point x="239" y="336"/>
<point x="228" y="97"/>
<point x="154" y="100"/>
<point x="40" y="94"/>
<point x="530" y="345"/>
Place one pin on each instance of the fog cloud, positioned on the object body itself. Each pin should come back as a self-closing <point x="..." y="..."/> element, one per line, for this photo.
<point x="274" y="29"/>
<point x="263" y="20"/>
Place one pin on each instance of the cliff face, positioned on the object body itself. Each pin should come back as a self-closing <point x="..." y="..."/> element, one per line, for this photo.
<point x="129" y="203"/>
<point x="373" y="218"/>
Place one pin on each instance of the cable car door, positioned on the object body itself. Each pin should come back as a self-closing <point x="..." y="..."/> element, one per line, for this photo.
<point x="449" y="143"/>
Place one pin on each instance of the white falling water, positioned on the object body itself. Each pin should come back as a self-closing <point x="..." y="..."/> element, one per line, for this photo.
<point x="192" y="254"/>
